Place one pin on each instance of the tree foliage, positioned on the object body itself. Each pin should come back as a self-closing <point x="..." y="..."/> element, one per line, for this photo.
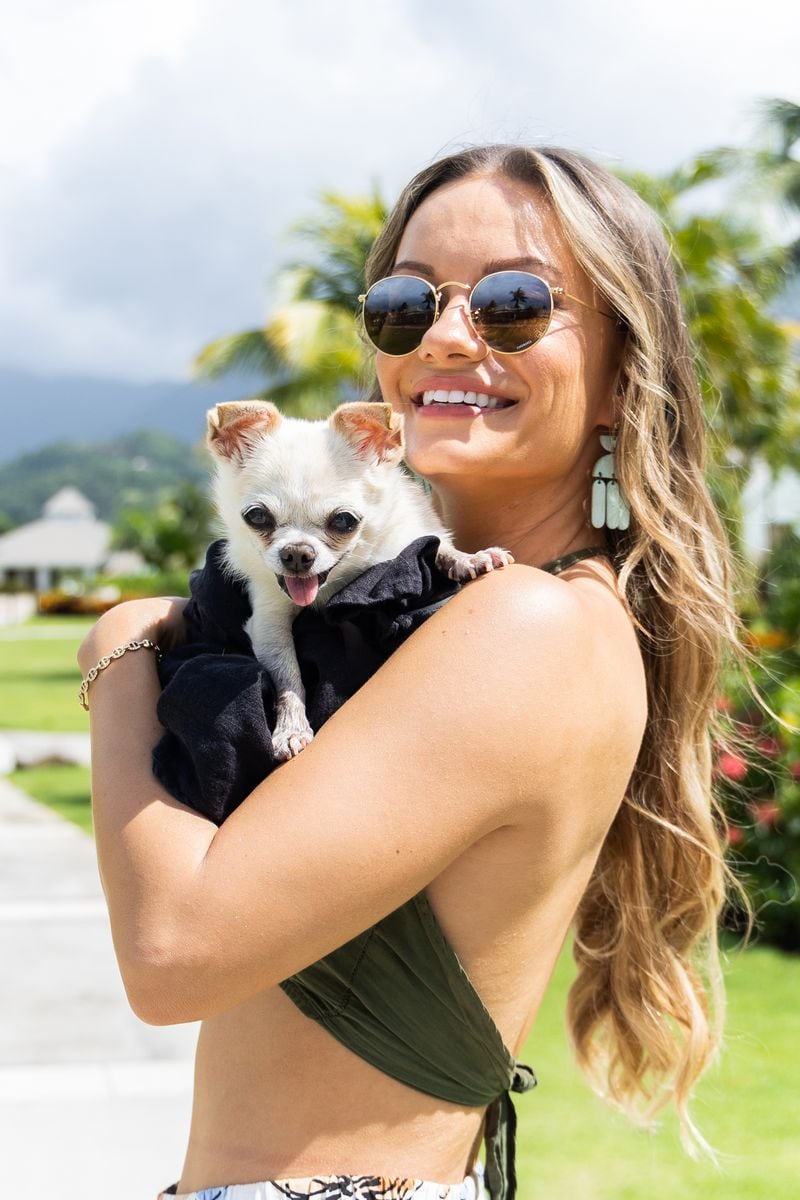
<point x="731" y="275"/>
<point x="310" y="353"/>
<point x="173" y="535"/>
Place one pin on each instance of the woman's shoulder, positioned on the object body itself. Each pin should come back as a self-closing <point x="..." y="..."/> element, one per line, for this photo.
<point x="559" y="655"/>
<point x="572" y="633"/>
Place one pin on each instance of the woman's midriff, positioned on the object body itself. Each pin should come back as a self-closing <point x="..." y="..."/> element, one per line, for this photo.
<point x="276" y="1096"/>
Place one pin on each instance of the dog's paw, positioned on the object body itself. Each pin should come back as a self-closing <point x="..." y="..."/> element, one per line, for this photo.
<point x="462" y="567"/>
<point x="292" y="731"/>
<point x="288" y="743"/>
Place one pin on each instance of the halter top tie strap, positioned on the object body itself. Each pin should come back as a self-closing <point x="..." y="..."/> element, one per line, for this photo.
<point x="500" y="1137"/>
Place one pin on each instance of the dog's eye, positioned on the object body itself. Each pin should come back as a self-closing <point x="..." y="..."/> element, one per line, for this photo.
<point x="258" y="517"/>
<point x="342" y="522"/>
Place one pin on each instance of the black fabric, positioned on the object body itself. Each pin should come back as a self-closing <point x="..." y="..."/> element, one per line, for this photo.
<point x="218" y="704"/>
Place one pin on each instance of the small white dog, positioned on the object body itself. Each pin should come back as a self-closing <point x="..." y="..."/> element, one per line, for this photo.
<point x="308" y="506"/>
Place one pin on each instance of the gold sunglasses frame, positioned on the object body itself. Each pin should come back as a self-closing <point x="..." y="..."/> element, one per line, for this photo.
<point x="469" y="289"/>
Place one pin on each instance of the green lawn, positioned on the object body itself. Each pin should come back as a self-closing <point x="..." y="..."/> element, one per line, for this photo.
<point x="39" y="677"/>
<point x="569" y="1143"/>
<point x="572" y="1145"/>
<point x="62" y="786"/>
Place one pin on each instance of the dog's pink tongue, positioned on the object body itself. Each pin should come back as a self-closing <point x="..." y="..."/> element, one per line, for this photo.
<point x="302" y="590"/>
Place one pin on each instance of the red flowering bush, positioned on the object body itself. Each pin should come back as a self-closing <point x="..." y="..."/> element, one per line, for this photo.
<point x="757" y="766"/>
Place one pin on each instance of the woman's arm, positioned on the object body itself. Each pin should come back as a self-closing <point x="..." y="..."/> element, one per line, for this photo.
<point x="474" y="723"/>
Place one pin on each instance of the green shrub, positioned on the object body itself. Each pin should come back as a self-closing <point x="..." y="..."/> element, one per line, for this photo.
<point x="103" y="593"/>
<point x="156" y="583"/>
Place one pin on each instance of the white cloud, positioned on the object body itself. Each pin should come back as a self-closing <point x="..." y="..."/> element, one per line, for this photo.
<point x="161" y="149"/>
<point x="60" y="61"/>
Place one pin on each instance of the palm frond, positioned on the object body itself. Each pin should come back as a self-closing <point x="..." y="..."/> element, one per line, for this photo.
<point x="342" y="233"/>
<point x="311" y="347"/>
<point x="704" y="168"/>
<point x="249" y="352"/>
<point x="313" y="336"/>
<point x="781" y="121"/>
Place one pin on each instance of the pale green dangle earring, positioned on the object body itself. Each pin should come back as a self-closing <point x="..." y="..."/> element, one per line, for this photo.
<point x="609" y="506"/>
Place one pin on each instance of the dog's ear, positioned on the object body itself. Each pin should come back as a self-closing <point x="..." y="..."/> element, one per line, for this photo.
<point x="236" y="427"/>
<point x="374" y="431"/>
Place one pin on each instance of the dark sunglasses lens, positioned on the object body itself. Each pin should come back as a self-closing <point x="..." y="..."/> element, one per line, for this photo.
<point x="398" y="312"/>
<point x="511" y="310"/>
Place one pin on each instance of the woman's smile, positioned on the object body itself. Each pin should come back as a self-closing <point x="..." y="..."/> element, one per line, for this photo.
<point x="458" y="396"/>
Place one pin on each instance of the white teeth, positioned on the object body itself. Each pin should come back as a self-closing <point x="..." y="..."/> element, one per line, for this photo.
<point x="443" y="396"/>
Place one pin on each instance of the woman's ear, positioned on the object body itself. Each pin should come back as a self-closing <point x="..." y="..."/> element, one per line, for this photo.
<point x="607" y="415"/>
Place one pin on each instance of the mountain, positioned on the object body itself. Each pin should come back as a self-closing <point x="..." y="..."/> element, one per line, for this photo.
<point x="41" y="410"/>
<point x="132" y="471"/>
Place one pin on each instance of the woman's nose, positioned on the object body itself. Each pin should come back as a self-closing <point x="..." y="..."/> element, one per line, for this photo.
<point x="452" y="334"/>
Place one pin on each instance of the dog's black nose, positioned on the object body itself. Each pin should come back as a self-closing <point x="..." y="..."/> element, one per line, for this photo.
<point x="298" y="557"/>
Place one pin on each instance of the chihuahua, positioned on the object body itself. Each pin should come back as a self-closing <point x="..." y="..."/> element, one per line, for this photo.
<point x="308" y="506"/>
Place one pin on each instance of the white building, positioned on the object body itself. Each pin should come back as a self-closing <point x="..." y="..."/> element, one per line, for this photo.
<point x="769" y="505"/>
<point x="66" y="541"/>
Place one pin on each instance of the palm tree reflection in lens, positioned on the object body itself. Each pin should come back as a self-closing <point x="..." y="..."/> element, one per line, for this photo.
<point x="515" y="313"/>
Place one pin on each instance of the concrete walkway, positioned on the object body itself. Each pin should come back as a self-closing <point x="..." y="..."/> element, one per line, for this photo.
<point x="94" y="1104"/>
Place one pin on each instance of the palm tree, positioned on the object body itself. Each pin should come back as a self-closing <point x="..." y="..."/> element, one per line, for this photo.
<point x="309" y="353"/>
<point x="777" y="164"/>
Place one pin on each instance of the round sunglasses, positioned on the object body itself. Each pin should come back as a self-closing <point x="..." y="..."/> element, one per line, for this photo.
<point x="510" y="310"/>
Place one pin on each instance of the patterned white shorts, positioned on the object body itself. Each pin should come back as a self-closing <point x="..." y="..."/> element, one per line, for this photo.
<point x="341" y="1187"/>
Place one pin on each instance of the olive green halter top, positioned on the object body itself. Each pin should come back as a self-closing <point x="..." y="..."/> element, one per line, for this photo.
<point x="398" y="997"/>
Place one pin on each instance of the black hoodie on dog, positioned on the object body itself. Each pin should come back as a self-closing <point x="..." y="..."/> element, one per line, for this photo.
<point x="218" y="703"/>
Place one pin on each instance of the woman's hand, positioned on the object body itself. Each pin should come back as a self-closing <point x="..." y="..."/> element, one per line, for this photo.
<point x="159" y="619"/>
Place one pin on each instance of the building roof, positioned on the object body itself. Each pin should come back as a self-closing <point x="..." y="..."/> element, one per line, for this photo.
<point x="68" y="503"/>
<point x="67" y="535"/>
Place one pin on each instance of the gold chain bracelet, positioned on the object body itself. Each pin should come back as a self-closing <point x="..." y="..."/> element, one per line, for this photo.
<point x="144" y="644"/>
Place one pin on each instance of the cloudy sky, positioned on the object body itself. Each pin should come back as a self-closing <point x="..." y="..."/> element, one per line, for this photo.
<point x="152" y="154"/>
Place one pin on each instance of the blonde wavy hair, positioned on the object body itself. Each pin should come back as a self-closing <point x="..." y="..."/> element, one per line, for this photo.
<point x="645" y="1012"/>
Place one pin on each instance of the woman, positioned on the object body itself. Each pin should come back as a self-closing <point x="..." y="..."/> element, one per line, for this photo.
<point x="536" y="753"/>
